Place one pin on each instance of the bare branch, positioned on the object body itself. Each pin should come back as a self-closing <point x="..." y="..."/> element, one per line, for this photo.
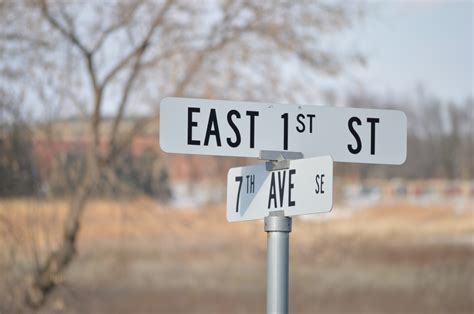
<point x="80" y="106"/>
<point x="125" y="141"/>
<point x="38" y="42"/>
<point x="114" y="27"/>
<point x="138" y="55"/>
<point x="140" y="49"/>
<point x="124" y="101"/>
<point x="192" y="70"/>
<point x="190" y="73"/>
<point x="105" y="34"/>
<point x="232" y="34"/>
<point x="69" y="34"/>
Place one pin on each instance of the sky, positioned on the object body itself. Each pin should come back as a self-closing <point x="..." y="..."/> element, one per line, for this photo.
<point x="416" y="43"/>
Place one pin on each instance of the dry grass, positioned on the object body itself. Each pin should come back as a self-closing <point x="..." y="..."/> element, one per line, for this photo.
<point x="138" y="256"/>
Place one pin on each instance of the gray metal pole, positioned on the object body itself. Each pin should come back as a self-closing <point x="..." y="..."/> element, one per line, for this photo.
<point x="278" y="228"/>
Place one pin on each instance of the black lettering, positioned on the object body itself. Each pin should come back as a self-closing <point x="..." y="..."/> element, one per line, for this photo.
<point x="372" y="122"/>
<point x="234" y="128"/>
<point x="291" y="186"/>
<point x="299" y="118"/>
<point x="356" y="136"/>
<point x="281" y="186"/>
<point x="272" y="194"/>
<point x="192" y="123"/>
<point x="322" y="182"/>
<point x="317" y="184"/>
<point x="252" y="115"/>
<point x="285" y="130"/>
<point x="252" y="184"/>
<point x="311" y="116"/>
<point x="212" y="129"/>
<point x="238" y="179"/>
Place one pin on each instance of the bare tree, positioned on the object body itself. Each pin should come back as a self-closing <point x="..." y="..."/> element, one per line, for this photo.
<point x="103" y="59"/>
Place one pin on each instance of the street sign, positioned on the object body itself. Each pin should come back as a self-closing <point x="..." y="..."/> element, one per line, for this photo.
<point x="304" y="188"/>
<point x="231" y="128"/>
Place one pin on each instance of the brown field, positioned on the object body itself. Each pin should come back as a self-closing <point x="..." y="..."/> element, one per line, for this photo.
<point x="135" y="256"/>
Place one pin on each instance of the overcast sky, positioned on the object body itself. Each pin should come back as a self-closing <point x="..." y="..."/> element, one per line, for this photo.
<point x="408" y="43"/>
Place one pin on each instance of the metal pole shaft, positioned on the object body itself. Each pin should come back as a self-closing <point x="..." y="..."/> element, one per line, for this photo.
<point x="278" y="228"/>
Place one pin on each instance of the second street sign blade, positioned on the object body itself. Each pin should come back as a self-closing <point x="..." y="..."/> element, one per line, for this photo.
<point x="306" y="187"/>
<point x="230" y="128"/>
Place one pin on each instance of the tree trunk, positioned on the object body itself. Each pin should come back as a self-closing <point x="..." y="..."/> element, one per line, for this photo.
<point x="47" y="275"/>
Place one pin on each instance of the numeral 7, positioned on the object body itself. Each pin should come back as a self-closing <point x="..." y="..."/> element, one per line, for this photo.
<point x="240" y="180"/>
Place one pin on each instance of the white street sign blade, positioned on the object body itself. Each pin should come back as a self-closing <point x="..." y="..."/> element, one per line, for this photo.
<point x="230" y="128"/>
<point x="306" y="187"/>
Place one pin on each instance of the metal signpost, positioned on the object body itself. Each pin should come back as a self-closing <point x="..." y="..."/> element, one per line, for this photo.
<point x="282" y="135"/>
<point x="278" y="228"/>
<point x="274" y="191"/>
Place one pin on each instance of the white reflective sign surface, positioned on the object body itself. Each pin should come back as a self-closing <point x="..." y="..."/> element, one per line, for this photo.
<point x="231" y="128"/>
<point x="306" y="187"/>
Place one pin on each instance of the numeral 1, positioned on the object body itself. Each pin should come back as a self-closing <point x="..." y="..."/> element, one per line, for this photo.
<point x="285" y="130"/>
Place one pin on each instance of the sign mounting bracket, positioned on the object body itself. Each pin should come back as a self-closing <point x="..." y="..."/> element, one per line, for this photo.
<point x="278" y="160"/>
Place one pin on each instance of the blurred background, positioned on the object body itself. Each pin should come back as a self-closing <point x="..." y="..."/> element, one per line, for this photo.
<point x="95" y="218"/>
